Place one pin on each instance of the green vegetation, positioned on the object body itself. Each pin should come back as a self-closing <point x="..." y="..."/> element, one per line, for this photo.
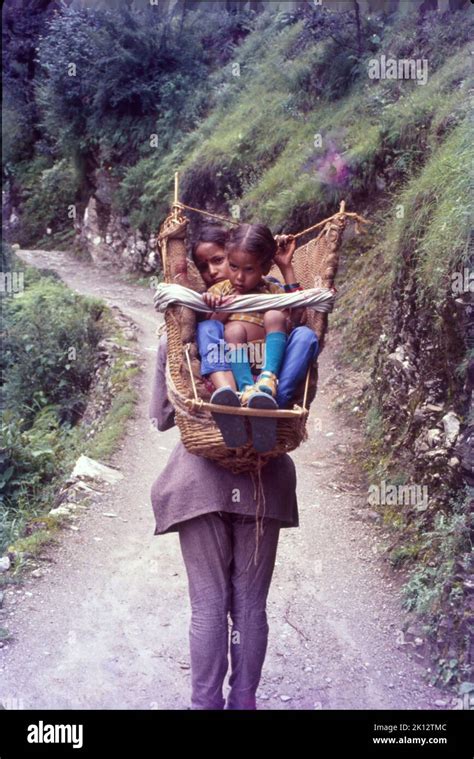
<point x="49" y="360"/>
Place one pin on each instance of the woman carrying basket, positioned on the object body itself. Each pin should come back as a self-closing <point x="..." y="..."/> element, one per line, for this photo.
<point x="213" y="510"/>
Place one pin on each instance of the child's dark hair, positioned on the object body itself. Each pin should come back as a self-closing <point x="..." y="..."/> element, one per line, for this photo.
<point x="255" y="239"/>
<point x="214" y="233"/>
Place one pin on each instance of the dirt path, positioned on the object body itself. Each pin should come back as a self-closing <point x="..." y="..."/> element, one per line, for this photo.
<point x="106" y="626"/>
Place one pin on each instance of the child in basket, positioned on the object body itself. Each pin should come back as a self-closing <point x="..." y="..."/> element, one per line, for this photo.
<point x="251" y="251"/>
<point x="209" y="255"/>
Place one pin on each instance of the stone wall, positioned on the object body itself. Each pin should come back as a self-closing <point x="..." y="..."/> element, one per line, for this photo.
<point x="108" y="237"/>
<point x="423" y="399"/>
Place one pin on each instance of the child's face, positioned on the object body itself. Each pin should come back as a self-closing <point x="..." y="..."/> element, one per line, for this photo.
<point x="245" y="270"/>
<point x="211" y="261"/>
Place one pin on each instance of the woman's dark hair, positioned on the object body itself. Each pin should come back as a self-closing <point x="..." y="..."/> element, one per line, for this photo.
<point x="209" y="233"/>
<point x="255" y="239"/>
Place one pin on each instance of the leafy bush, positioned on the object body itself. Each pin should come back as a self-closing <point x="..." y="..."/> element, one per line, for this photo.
<point x="49" y="359"/>
<point x="435" y="588"/>
<point x="114" y="79"/>
<point x="30" y="461"/>
<point x="51" y="335"/>
<point x="49" y="192"/>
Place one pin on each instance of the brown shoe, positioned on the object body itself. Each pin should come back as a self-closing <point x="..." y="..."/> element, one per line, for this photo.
<point x="246" y="393"/>
<point x="267" y="383"/>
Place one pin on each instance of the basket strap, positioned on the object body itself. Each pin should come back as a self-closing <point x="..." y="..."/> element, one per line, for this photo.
<point x="317" y="298"/>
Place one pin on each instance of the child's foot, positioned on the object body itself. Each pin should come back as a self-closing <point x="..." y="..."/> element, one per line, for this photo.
<point x="246" y="393"/>
<point x="264" y="428"/>
<point x="232" y="426"/>
<point x="267" y="382"/>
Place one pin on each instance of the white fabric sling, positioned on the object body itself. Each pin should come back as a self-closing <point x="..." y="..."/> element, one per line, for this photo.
<point x="320" y="299"/>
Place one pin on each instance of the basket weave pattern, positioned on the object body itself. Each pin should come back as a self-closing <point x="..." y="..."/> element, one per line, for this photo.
<point x="315" y="265"/>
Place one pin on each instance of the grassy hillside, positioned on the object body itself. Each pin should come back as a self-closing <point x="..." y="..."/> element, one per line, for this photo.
<point x="257" y="145"/>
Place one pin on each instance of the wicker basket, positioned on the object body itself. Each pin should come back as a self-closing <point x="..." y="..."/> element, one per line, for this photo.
<point x="315" y="265"/>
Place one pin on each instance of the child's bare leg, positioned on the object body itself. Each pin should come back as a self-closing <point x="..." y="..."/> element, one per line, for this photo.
<point x="235" y="334"/>
<point x="239" y="333"/>
<point x="253" y="332"/>
<point x="223" y="379"/>
<point x="274" y="321"/>
<point x="236" y="337"/>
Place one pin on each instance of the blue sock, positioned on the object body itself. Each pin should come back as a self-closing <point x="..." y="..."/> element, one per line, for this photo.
<point x="240" y="367"/>
<point x="275" y="345"/>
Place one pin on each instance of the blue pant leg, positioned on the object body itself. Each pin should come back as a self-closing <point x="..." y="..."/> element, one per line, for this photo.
<point x="302" y="347"/>
<point x="212" y="346"/>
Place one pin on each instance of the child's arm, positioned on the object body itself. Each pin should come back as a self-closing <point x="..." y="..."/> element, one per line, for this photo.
<point x="284" y="257"/>
<point x="284" y="260"/>
<point x="214" y="300"/>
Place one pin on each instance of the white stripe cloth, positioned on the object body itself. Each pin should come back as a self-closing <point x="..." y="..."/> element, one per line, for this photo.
<point x="318" y="298"/>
